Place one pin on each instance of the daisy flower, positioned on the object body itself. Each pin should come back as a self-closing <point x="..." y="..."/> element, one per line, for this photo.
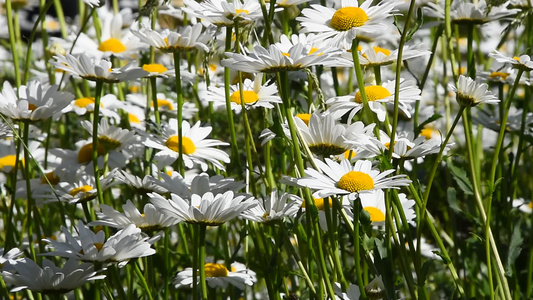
<point x="158" y="70"/>
<point x="469" y="93"/>
<point x="376" y="96"/>
<point x="141" y="186"/>
<point x="93" y="3"/>
<point x="112" y="138"/>
<point x="275" y="206"/>
<point x="209" y="209"/>
<point x="197" y="150"/>
<point x="523" y="205"/>
<point x="344" y="24"/>
<point x="522" y="62"/>
<point x="8" y="156"/>
<point x="33" y="102"/>
<point x="49" y="279"/>
<point x="149" y="221"/>
<point x="273" y="59"/>
<point x="223" y="13"/>
<point x="109" y="104"/>
<point x="199" y="185"/>
<point x="324" y="136"/>
<point x="463" y="12"/>
<point x="10" y="258"/>
<point x="254" y="95"/>
<point x="187" y="39"/>
<point x="88" y="246"/>
<point x="379" y="56"/>
<point x="346" y="179"/>
<point x="218" y="276"/>
<point x="80" y="190"/>
<point x="93" y="69"/>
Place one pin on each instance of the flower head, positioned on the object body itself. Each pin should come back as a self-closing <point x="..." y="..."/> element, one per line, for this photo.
<point x="469" y="93"/>
<point x="218" y="276"/>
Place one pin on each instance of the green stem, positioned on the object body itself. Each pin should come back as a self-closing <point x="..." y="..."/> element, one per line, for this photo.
<point x="357" y="244"/>
<point x="31" y="202"/>
<point x="201" y="260"/>
<point x="13" y="42"/>
<point x="96" y="122"/>
<point x="179" y="92"/>
<point x="142" y="282"/>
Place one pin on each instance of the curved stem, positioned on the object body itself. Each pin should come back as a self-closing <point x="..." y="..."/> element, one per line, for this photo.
<point x="201" y="260"/>
<point x="179" y="92"/>
<point x="96" y="121"/>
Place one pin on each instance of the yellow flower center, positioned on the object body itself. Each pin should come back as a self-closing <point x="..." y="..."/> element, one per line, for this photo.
<point x="319" y="202"/>
<point x="376" y="215"/>
<point x="83" y="102"/>
<point x="134" y="88"/>
<point x="382" y="50"/>
<point x="373" y="93"/>
<point x="164" y="103"/>
<point x="154" y="68"/>
<point x="285" y="54"/>
<point x="85" y="155"/>
<point x="249" y="97"/>
<point x="81" y="189"/>
<point x="32" y="106"/>
<point x="52" y="178"/>
<point x="499" y="75"/>
<point x="427" y="133"/>
<point x="347" y="18"/>
<point x="112" y="45"/>
<point x="98" y="246"/>
<point x="215" y="270"/>
<point x="188" y="145"/>
<point x="133" y="119"/>
<point x="516" y="58"/>
<point x="109" y="143"/>
<point x="326" y="149"/>
<point x="238" y="11"/>
<point x="8" y="161"/>
<point x="355" y="181"/>
<point x="349" y="155"/>
<point x="305" y="118"/>
<point x="530" y="205"/>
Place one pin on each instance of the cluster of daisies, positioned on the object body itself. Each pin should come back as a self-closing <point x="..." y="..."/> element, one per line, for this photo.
<point x="215" y="143"/>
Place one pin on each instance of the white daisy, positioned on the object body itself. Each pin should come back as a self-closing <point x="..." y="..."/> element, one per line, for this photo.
<point x="374" y="204"/>
<point x="273" y="59"/>
<point x="348" y="21"/>
<point x="463" y="12"/>
<point x="223" y="13"/>
<point x="344" y="179"/>
<point x="93" y="247"/>
<point x="208" y="209"/>
<point x="254" y="94"/>
<point x="197" y="150"/>
<point x="522" y="62"/>
<point x="275" y="206"/>
<point x="187" y="39"/>
<point x="523" y="205"/>
<point x="378" y="56"/>
<point x="109" y="104"/>
<point x="141" y="186"/>
<point x="165" y="104"/>
<point x="96" y="70"/>
<point x="158" y="70"/>
<point x="376" y="96"/>
<point x="7" y="260"/>
<point x="113" y="138"/>
<point x="218" y="276"/>
<point x="81" y="189"/>
<point x="469" y="93"/>
<point x="199" y="185"/>
<point x="49" y="279"/>
<point x="33" y="102"/>
<point x="149" y="221"/>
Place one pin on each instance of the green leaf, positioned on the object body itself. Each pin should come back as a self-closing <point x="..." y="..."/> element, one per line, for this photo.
<point x="425" y="270"/>
<point x="381" y="248"/>
<point x="514" y="249"/>
<point x="460" y="176"/>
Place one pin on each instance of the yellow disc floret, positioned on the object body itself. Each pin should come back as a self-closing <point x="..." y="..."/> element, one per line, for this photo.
<point x="154" y="68"/>
<point x="305" y="118"/>
<point x="215" y="270"/>
<point x="249" y="97"/>
<point x="373" y="93"/>
<point x="355" y="181"/>
<point x="85" y="155"/>
<point x="81" y="189"/>
<point x="347" y="18"/>
<point x="112" y="45"/>
<point x="188" y="145"/>
<point x="376" y="215"/>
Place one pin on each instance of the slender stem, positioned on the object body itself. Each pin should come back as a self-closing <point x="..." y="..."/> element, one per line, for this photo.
<point x="153" y="87"/>
<point x="229" y="112"/>
<point x="31" y="201"/>
<point x="201" y="260"/>
<point x="142" y="281"/>
<point x="13" y="42"/>
<point x="96" y="122"/>
<point x="179" y="92"/>
<point x="357" y="245"/>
